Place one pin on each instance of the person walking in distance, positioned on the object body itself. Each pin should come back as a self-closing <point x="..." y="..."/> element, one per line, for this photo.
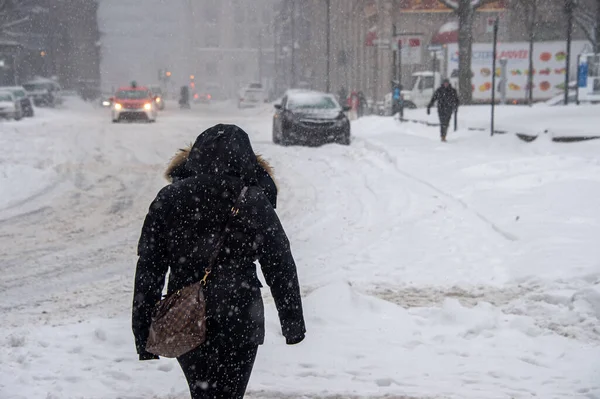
<point x="447" y="102"/>
<point x="218" y="181"/>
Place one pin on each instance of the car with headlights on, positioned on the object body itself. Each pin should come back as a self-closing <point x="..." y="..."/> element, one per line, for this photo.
<point x="310" y="118"/>
<point x="133" y="104"/>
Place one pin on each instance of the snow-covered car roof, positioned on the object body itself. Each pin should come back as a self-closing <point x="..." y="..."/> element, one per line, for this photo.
<point x="310" y="97"/>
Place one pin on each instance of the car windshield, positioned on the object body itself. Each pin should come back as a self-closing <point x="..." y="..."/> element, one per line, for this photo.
<point x="5" y="97"/>
<point x="132" y="94"/>
<point x="157" y="91"/>
<point x="311" y="101"/>
<point x="37" y="86"/>
<point x="19" y="93"/>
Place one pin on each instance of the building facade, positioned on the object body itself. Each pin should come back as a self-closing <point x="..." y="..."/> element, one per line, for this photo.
<point x="58" y="39"/>
<point x="361" y="32"/>
<point x="231" y="43"/>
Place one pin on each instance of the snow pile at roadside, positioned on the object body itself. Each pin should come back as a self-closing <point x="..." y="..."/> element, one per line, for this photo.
<point x="356" y="344"/>
<point x="541" y="119"/>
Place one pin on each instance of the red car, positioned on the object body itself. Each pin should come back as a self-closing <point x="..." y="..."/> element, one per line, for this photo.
<point x="133" y="103"/>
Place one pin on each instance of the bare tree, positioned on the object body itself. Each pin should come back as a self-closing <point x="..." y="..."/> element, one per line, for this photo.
<point x="465" y="9"/>
<point x="588" y="19"/>
<point x="12" y="13"/>
<point x="529" y="11"/>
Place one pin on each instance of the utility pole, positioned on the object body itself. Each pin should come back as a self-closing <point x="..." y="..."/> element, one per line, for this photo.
<point x="495" y="55"/>
<point x="260" y="55"/>
<point x="328" y="56"/>
<point x="394" y="56"/>
<point x="569" y="9"/>
<point x="293" y="29"/>
<point x="399" y="61"/>
<point x="532" y="11"/>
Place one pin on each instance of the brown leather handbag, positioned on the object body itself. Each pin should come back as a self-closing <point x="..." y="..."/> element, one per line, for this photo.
<point x="179" y="320"/>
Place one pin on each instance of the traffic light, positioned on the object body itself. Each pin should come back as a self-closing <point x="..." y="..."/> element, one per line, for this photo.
<point x="168" y="74"/>
<point x="192" y="77"/>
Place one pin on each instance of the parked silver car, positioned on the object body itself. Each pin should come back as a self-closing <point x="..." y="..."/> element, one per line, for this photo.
<point x="10" y="106"/>
<point x="21" y="94"/>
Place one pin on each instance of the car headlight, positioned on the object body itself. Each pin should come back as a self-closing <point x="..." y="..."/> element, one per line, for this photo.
<point x="148" y="107"/>
<point x="341" y="120"/>
<point x="158" y="99"/>
<point x="118" y="106"/>
<point x="106" y="103"/>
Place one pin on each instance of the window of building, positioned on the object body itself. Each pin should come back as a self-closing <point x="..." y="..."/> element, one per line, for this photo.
<point x="239" y="14"/>
<point x="211" y="69"/>
<point x="239" y="37"/>
<point x="239" y="69"/>
<point x="252" y="14"/>
<point x="266" y="16"/>
<point x="211" y="36"/>
<point x="212" y="9"/>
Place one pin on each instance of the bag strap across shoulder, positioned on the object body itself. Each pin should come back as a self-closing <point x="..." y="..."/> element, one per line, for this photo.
<point x="215" y="254"/>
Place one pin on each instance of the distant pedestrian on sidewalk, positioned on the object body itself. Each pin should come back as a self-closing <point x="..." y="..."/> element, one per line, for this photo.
<point x="447" y="102"/>
<point x="362" y="104"/>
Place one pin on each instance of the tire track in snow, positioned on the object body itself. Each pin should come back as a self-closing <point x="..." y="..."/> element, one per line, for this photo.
<point x="393" y="160"/>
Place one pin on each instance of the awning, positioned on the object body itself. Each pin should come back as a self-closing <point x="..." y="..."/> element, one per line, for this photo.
<point x="448" y="33"/>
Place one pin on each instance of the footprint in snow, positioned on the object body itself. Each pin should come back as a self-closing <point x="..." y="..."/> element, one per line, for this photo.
<point x="166" y="367"/>
<point x="117" y="375"/>
<point x="100" y="334"/>
<point x="385" y="382"/>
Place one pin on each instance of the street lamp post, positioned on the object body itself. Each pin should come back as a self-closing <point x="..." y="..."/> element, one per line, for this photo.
<point x="328" y="56"/>
<point x="293" y="34"/>
<point x="569" y="9"/>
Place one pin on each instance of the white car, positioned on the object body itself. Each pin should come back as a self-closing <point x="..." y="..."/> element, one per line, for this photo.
<point x="252" y="96"/>
<point x="10" y="106"/>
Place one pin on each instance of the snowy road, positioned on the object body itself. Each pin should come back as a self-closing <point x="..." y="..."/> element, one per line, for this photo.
<point x="467" y="270"/>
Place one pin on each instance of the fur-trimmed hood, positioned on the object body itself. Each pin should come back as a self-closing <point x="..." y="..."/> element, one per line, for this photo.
<point x="176" y="165"/>
<point x="265" y="174"/>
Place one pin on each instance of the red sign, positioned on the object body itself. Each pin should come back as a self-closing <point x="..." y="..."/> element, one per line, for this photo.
<point x="438" y="6"/>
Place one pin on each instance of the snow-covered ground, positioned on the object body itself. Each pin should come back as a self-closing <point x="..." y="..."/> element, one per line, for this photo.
<point x="541" y="119"/>
<point x="462" y="270"/>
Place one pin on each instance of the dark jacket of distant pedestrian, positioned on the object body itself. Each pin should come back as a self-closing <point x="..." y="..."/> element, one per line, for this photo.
<point x="447" y="102"/>
<point x="179" y="234"/>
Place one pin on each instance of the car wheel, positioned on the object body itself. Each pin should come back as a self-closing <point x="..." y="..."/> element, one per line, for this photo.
<point x="276" y="139"/>
<point x="18" y="115"/>
<point x="283" y="140"/>
<point x="345" y="139"/>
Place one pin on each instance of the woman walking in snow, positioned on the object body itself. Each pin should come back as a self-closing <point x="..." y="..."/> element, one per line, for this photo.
<point x="179" y="234"/>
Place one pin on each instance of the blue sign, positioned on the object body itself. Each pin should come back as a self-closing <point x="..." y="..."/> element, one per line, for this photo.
<point x="582" y="78"/>
<point x="396" y="94"/>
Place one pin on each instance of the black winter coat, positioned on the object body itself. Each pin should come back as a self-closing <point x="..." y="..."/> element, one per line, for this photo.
<point x="447" y="100"/>
<point x="182" y="227"/>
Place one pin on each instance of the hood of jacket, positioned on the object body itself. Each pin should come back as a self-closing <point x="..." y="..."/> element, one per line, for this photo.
<point x="224" y="150"/>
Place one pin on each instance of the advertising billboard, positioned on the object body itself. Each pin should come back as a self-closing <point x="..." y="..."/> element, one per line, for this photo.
<point x="548" y="68"/>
